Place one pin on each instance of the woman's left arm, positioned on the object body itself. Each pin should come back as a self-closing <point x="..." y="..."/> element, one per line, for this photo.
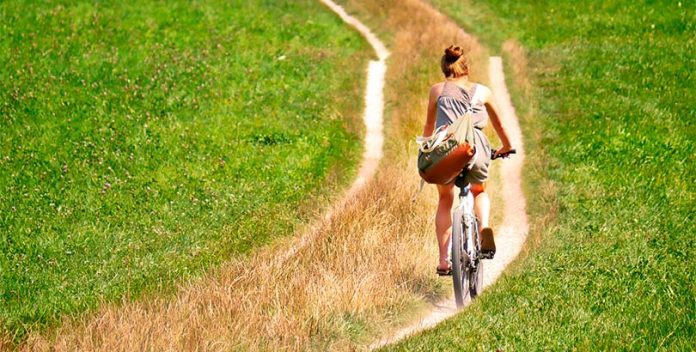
<point x="429" y="126"/>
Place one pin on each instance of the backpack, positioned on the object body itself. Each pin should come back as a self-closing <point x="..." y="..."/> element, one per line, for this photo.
<point x="449" y="150"/>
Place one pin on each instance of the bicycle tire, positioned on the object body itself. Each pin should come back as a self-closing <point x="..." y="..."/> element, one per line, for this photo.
<point x="476" y="280"/>
<point x="460" y="265"/>
<point x="476" y="275"/>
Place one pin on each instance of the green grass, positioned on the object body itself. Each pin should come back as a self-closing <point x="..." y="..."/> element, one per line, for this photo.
<point x="141" y="144"/>
<point x="610" y="128"/>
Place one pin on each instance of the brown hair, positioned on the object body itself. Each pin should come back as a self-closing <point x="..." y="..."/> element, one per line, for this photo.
<point x="454" y="63"/>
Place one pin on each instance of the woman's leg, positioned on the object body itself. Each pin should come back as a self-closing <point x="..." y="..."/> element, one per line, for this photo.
<point x="482" y="204"/>
<point x="482" y="207"/>
<point x="443" y="222"/>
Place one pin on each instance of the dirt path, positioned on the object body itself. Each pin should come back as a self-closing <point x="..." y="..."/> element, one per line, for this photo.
<point x="511" y="234"/>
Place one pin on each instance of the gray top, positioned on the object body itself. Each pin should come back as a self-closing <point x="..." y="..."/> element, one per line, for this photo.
<point x="455" y="101"/>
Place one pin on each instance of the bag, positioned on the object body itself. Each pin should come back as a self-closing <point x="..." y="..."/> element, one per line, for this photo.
<point x="447" y="152"/>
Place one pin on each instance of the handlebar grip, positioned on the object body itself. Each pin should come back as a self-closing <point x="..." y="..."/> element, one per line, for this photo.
<point x="493" y="156"/>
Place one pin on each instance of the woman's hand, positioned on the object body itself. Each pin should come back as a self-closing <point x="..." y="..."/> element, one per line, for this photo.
<point x="506" y="148"/>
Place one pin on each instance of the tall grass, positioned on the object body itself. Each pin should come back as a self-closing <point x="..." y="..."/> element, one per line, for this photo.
<point x="610" y="106"/>
<point x="365" y="269"/>
<point x="143" y="142"/>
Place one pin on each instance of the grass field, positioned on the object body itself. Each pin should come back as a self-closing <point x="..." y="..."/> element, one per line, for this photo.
<point x="609" y="119"/>
<point x="143" y="143"/>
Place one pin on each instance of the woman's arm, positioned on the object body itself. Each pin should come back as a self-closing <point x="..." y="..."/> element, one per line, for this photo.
<point x="429" y="127"/>
<point x="492" y="109"/>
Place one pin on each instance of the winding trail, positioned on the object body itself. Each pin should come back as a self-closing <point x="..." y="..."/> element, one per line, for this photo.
<point x="510" y="235"/>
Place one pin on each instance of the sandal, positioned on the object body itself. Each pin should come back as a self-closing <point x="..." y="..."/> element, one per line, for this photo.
<point x="443" y="272"/>
<point x="487" y="243"/>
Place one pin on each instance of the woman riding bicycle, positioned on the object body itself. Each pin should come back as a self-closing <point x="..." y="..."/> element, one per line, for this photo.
<point x="449" y="100"/>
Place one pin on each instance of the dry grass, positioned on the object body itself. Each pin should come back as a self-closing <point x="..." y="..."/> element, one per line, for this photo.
<point x="365" y="267"/>
<point x="348" y="274"/>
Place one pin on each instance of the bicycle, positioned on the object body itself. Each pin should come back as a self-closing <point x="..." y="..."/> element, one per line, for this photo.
<point x="467" y="264"/>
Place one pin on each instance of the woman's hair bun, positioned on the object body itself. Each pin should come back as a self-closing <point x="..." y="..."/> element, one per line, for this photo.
<point x="454" y="62"/>
<point x="453" y="53"/>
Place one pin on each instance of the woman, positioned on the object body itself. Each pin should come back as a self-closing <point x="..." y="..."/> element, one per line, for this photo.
<point x="449" y="100"/>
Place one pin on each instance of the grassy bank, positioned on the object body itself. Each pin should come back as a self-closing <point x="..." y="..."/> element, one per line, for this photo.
<point x="609" y="116"/>
<point x="143" y="143"/>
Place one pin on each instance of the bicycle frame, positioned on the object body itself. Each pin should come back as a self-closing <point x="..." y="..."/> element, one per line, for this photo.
<point x="465" y="245"/>
<point x="466" y="204"/>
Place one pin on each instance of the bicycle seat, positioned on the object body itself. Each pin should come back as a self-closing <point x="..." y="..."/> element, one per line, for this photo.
<point x="461" y="182"/>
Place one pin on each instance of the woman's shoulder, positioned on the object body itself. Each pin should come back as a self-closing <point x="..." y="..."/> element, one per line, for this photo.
<point x="482" y="87"/>
<point x="483" y="92"/>
<point x="436" y="89"/>
<point x="437" y="86"/>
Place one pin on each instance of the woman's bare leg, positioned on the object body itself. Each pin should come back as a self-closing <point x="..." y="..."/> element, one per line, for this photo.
<point x="482" y="204"/>
<point x="443" y="222"/>
<point x="482" y="207"/>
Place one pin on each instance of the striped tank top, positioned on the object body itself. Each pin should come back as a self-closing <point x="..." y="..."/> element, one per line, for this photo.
<point x="455" y="101"/>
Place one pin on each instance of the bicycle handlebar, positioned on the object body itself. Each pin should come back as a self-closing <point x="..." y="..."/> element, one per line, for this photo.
<point x="461" y="182"/>
<point x="504" y="155"/>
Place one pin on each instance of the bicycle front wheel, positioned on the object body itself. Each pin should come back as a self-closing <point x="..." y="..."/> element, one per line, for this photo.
<point x="476" y="280"/>
<point x="460" y="260"/>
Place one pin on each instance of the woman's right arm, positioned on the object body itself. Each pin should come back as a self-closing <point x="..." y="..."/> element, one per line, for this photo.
<point x="429" y="127"/>
<point x="492" y="109"/>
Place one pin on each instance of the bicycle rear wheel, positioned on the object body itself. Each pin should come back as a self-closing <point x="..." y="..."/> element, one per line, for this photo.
<point x="460" y="260"/>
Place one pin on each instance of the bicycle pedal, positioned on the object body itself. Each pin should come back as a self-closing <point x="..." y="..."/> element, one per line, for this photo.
<point x="487" y="254"/>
